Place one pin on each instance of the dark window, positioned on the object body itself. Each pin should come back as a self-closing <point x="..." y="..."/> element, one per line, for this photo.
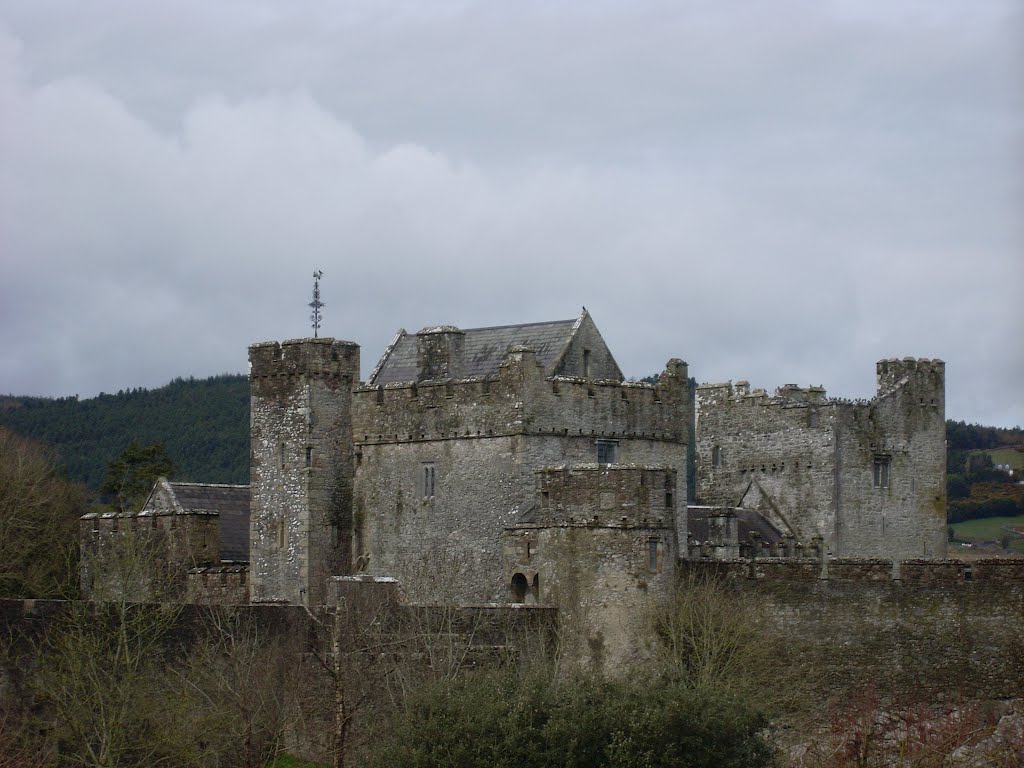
<point x="429" y="480"/>
<point x="380" y="394"/>
<point x="607" y="451"/>
<point x="653" y="558"/>
<point x="881" y="472"/>
<point x="520" y="586"/>
<point x="716" y="456"/>
<point x="282" y="450"/>
<point x="668" y="491"/>
<point x="309" y="455"/>
<point x="545" y="499"/>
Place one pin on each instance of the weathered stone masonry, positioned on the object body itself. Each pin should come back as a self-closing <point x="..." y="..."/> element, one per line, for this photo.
<point x="301" y="467"/>
<point x="867" y="477"/>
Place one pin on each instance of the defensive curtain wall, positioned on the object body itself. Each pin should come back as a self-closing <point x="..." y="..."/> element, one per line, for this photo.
<point x="927" y="630"/>
<point x="868" y="477"/>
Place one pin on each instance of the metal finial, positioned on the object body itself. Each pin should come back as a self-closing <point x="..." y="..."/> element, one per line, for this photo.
<point x="316" y="304"/>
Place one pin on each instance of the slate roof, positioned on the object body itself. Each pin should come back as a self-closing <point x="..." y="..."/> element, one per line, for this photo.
<point x="747" y="521"/>
<point x="483" y="349"/>
<point x="231" y="503"/>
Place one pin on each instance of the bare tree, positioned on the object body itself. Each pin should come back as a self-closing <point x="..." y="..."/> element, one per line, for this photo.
<point x="38" y="522"/>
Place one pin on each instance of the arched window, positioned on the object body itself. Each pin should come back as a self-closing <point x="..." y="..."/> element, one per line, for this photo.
<point x="520" y="587"/>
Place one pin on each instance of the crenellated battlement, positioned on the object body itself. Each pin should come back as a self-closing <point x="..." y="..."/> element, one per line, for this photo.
<point x="893" y="372"/>
<point x="909" y="574"/>
<point x="520" y="400"/>
<point x="606" y="494"/>
<point x="304" y="357"/>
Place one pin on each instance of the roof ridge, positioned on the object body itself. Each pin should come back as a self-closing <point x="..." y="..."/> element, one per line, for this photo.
<point x="515" y="325"/>
<point x="210" y="485"/>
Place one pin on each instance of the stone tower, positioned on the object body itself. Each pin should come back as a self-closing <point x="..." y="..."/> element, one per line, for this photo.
<point x="301" y="467"/>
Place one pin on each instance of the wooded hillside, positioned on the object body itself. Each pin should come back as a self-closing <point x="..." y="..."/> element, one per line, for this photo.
<point x="202" y="423"/>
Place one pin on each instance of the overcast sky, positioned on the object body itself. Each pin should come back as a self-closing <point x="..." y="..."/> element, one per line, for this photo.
<point x="780" y="191"/>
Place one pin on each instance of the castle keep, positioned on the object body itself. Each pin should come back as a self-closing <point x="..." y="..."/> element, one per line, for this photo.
<point x="515" y="464"/>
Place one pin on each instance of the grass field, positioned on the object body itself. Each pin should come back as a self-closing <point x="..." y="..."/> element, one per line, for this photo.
<point x="991" y="529"/>
<point x="1011" y="456"/>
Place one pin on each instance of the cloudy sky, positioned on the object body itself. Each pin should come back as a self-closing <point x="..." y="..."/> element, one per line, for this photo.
<point x="780" y="191"/>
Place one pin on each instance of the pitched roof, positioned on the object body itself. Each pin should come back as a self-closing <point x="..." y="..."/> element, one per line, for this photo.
<point x="230" y="502"/>
<point x="483" y="349"/>
<point x="747" y="521"/>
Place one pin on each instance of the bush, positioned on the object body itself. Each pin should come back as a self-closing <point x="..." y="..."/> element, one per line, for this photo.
<point x="502" y="719"/>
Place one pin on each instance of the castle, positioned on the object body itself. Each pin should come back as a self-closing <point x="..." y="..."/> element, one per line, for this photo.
<point x="515" y="464"/>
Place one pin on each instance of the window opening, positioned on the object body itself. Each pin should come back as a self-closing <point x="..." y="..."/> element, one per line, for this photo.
<point x="281" y="451"/>
<point x="653" y="561"/>
<point x="607" y="451"/>
<point x="309" y="455"/>
<point x="280" y="533"/>
<point x="668" y="491"/>
<point x="519" y="588"/>
<point x="716" y="456"/>
<point x="881" y="472"/>
<point x="586" y="363"/>
<point x="429" y="480"/>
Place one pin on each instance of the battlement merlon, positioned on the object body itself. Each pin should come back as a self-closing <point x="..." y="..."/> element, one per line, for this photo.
<point x="892" y="373"/>
<point x="305" y="357"/>
<point x="614" y="493"/>
<point x="519" y="399"/>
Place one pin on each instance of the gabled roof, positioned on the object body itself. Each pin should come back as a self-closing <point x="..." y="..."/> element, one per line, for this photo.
<point x="483" y="349"/>
<point x="747" y="522"/>
<point x="229" y="502"/>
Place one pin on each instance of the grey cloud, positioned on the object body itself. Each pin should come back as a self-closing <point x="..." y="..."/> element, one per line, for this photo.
<point x="779" y="192"/>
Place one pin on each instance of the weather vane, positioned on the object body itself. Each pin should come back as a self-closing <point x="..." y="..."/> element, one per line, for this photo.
<point x="316" y="304"/>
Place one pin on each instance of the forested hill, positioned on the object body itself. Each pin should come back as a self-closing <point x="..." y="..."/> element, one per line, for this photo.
<point x="202" y="423"/>
<point x="204" y="426"/>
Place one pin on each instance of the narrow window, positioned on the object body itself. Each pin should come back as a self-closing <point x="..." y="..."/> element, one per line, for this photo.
<point x="309" y="455"/>
<point x="668" y="491"/>
<point x="652" y="556"/>
<point x="586" y="363"/>
<point x="520" y="586"/>
<point x="280" y="533"/>
<point x="812" y="418"/>
<point x="716" y="456"/>
<point x="380" y="394"/>
<point x="281" y="451"/>
<point x="545" y="499"/>
<point x="607" y="451"/>
<point x="428" y="479"/>
<point x="881" y="472"/>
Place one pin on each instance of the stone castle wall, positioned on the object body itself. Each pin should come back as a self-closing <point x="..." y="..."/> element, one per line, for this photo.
<point x="144" y="555"/>
<point x="813" y="465"/>
<point x="217" y="585"/>
<point x="443" y="467"/>
<point x="943" y="629"/>
<point x="301" y="467"/>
